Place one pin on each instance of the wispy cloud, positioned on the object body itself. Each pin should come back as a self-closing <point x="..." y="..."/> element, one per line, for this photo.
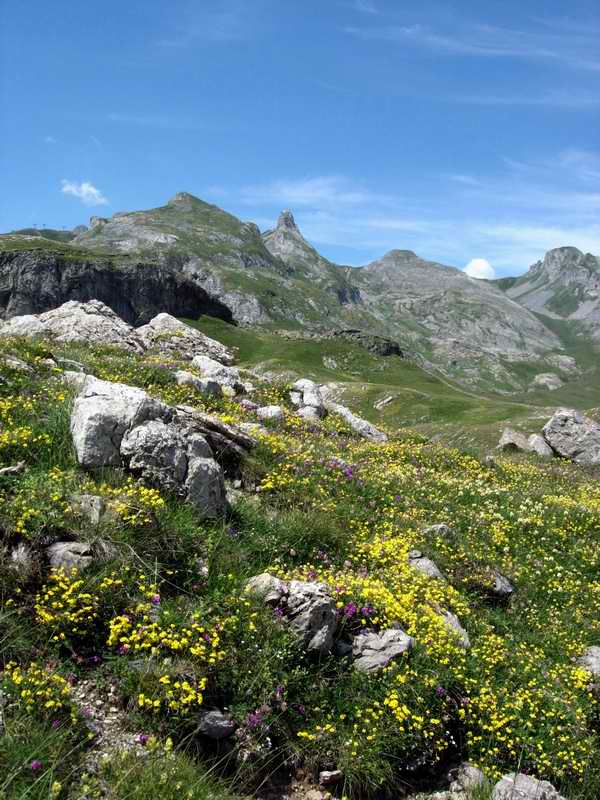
<point x="84" y="191"/>
<point x="553" y="99"/>
<point x="576" y="49"/>
<point x="323" y="191"/>
<point x="225" y="22"/>
<point x="365" y="7"/>
<point x="165" y="121"/>
<point x="50" y="140"/>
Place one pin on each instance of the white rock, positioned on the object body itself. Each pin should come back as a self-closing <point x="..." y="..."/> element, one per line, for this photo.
<point x="267" y="587"/>
<point x="359" y="425"/>
<point x="102" y="414"/>
<point x="373" y="651"/>
<point x="537" y="444"/>
<point x="169" y="335"/>
<point x="466" y="778"/>
<point x="270" y="412"/>
<point x="226" y="376"/>
<point x="546" y="380"/>
<point x="517" y="786"/>
<point x="312" y="614"/>
<point x="590" y="660"/>
<point x="92" y="323"/>
<point x="453" y="623"/>
<point x="296" y="399"/>
<point x="513" y="440"/>
<point x="204" y="386"/>
<point x="70" y="555"/>
<point x="310" y="412"/>
<point x="418" y="561"/>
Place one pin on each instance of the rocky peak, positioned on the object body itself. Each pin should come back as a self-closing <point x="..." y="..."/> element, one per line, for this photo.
<point x="183" y="200"/>
<point x="287" y="222"/>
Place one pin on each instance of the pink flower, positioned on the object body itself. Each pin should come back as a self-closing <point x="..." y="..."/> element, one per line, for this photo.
<point x="35" y="765"/>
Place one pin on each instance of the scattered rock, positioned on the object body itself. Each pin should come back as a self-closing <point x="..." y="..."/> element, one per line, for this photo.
<point x="93" y="507"/>
<point x="269" y="588"/>
<point x="358" y="425"/>
<point x="439" y="529"/>
<point x="92" y="323"/>
<point x="12" y="362"/>
<point x="373" y="651"/>
<point x="296" y="399"/>
<point x="513" y="440"/>
<point x="331" y="777"/>
<point x="502" y="588"/>
<point x="226" y="376"/>
<point x="546" y="380"/>
<point x="270" y="412"/>
<point x="453" y="622"/>
<point x="204" y="386"/>
<point x="537" y="444"/>
<point x="216" y="725"/>
<point x="311" y="612"/>
<point x="418" y="561"/>
<point x="311" y="413"/>
<point x="466" y="778"/>
<point x="69" y="555"/>
<point x="590" y="660"/>
<point x="170" y="336"/>
<point x="573" y="435"/>
<point x="517" y="786"/>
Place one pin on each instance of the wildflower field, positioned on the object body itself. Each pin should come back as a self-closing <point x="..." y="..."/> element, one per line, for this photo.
<point x="161" y="620"/>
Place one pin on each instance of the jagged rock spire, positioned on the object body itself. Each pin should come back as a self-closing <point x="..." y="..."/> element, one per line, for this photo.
<point x="286" y="220"/>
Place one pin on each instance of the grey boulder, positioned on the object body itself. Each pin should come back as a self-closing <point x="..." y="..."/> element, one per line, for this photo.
<point x="517" y="786"/>
<point x="425" y="565"/>
<point x="102" y="414"/>
<point x="312" y="614"/>
<point x="216" y="725"/>
<point x="453" y="624"/>
<point x="373" y="651"/>
<point x="270" y="412"/>
<point x="204" y="386"/>
<point x="573" y="435"/>
<point x="267" y="587"/>
<point x="177" y="460"/>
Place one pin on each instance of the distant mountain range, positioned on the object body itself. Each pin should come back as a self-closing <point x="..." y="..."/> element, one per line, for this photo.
<point x="495" y="335"/>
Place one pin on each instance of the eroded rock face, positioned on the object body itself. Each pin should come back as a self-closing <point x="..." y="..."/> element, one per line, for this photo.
<point x="374" y="651"/>
<point x="573" y="435"/>
<point x="168" y="335"/>
<point x="517" y="786"/>
<point x="92" y="322"/>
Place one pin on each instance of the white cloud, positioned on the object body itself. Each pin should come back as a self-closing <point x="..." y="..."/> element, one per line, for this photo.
<point x="84" y="191"/>
<point x="574" y="48"/>
<point x="50" y="140"/>
<point x="480" y="268"/>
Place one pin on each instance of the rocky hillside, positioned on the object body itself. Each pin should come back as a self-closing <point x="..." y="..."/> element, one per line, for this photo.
<point x="468" y="330"/>
<point x="215" y="585"/>
<point x="565" y="284"/>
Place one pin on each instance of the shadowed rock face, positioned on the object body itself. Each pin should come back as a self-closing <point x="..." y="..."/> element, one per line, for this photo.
<point x="32" y="282"/>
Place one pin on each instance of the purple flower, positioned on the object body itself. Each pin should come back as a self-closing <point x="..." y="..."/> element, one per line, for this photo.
<point x="94" y="660"/>
<point x="366" y="611"/>
<point x="440" y="691"/>
<point x="35" y="765"/>
<point x="142" y="738"/>
<point x="55" y="723"/>
<point x="279" y="612"/>
<point x="155" y="599"/>
<point x="123" y="649"/>
<point x="254" y="719"/>
<point x="350" y="609"/>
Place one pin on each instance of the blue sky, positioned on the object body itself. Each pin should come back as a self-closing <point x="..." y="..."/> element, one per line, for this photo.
<point x="460" y="130"/>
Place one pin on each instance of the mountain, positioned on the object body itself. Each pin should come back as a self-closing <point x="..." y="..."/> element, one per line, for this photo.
<point x="565" y="284"/>
<point x="472" y="331"/>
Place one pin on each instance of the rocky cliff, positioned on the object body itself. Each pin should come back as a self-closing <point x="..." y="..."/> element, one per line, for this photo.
<point x="32" y="281"/>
